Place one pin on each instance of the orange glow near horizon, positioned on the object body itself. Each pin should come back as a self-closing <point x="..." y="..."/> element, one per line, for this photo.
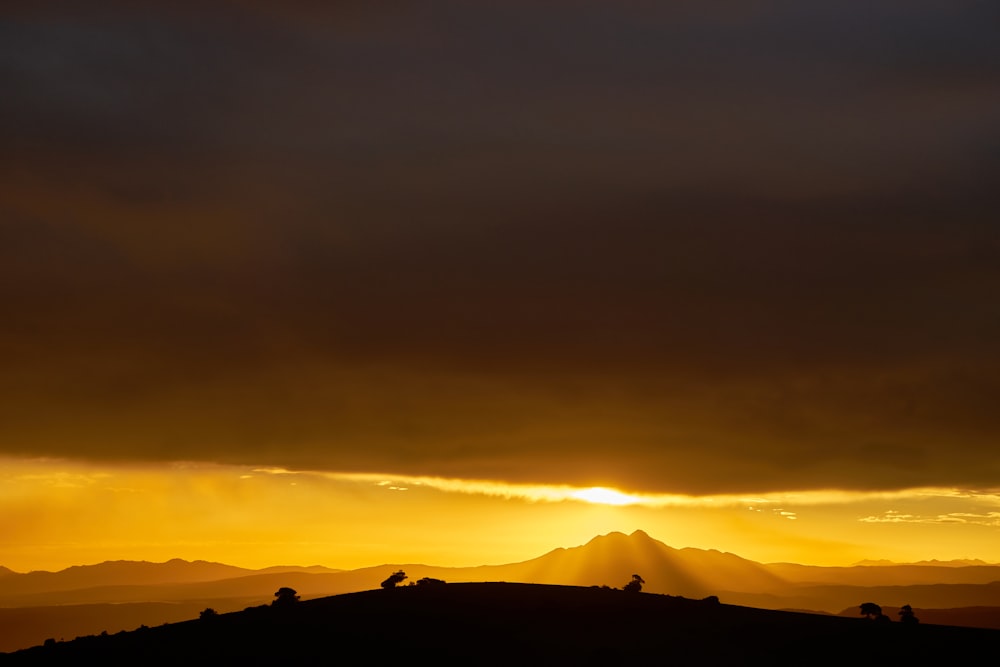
<point x="62" y="513"/>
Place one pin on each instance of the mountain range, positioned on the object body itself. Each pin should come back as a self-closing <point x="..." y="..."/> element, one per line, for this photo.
<point x="121" y="595"/>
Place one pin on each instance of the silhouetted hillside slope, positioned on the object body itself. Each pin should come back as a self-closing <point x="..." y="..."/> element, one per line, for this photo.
<point x="832" y="599"/>
<point x="74" y="601"/>
<point x="973" y="617"/>
<point x="494" y="624"/>
<point x="30" y="626"/>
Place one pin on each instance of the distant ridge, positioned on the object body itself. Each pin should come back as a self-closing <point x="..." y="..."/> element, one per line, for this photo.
<point x="119" y="573"/>
<point x="314" y="569"/>
<point x="84" y="599"/>
<point x="959" y="562"/>
<point x="184" y="568"/>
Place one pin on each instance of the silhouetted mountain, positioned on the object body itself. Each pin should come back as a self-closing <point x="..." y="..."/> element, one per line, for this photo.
<point x="119" y="573"/>
<point x="605" y="560"/>
<point x="611" y="559"/>
<point x="608" y="559"/>
<point x="503" y="624"/>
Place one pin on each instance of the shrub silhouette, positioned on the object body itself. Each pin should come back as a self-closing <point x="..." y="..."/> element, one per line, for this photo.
<point x="906" y="615"/>
<point x="430" y="581"/>
<point x="635" y="585"/>
<point x="207" y="614"/>
<point x="396" y="577"/>
<point x="285" y="596"/>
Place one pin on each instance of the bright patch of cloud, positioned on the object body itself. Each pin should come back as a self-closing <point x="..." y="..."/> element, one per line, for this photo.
<point x="777" y="503"/>
<point x="603" y="496"/>
<point x="972" y="518"/>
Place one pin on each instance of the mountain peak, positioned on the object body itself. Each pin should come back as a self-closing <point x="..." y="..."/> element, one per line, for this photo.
<point x="618" y="535"/>
<point x="635" y="539"/>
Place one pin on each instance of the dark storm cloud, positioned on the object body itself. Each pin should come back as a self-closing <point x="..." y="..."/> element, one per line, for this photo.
<point x="699" y="248"/>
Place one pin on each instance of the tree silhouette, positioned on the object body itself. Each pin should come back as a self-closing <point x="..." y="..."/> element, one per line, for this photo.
<point x="635" y="585"/>
<point x="906" y="615"/>
<point x="873" y="612"/>
<point x="285" y="596"/>
<point x="396" y="577"/>
<point x="430" y="581"/>
<point x="208" y="614"/>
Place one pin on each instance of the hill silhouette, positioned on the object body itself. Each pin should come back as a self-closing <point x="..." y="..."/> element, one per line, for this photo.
<point x="500" y="623"/>
<point x="119" y="573"/>
<point x="122" y="595"/>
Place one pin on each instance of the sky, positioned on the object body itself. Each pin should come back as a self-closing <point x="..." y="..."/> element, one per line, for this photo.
<point x="738" y="263"/>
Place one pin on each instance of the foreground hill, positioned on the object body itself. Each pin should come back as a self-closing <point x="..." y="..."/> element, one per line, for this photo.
<point x="498" y="623"/>
<point x="831" y="599"/>
<point x="973" y="617"/>
<point x="122" y="595"/>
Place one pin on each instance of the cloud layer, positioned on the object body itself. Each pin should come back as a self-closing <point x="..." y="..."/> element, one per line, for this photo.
<point x="703" y="249"/>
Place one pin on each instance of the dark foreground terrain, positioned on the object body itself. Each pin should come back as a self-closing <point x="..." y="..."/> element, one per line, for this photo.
<point x="500" y="623"/>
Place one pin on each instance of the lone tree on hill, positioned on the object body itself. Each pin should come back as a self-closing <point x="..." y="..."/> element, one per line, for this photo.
<point x="873" y="612"/>
<point x="285" y="596"/>
<point x="906" y="615"/>
<point x="635" y="585"/>
<point x="396" y="577"/>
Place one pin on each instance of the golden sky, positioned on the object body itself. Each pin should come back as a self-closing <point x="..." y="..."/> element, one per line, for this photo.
<point x="693" y="251"/>
<point x="58" y="513"/>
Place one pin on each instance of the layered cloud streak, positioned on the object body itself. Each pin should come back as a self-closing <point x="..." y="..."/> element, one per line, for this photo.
<point x="689" y="250"/>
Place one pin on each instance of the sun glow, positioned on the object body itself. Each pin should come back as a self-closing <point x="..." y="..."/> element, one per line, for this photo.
<point x="603" y="496"/>
<point x="256" y="517"/>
